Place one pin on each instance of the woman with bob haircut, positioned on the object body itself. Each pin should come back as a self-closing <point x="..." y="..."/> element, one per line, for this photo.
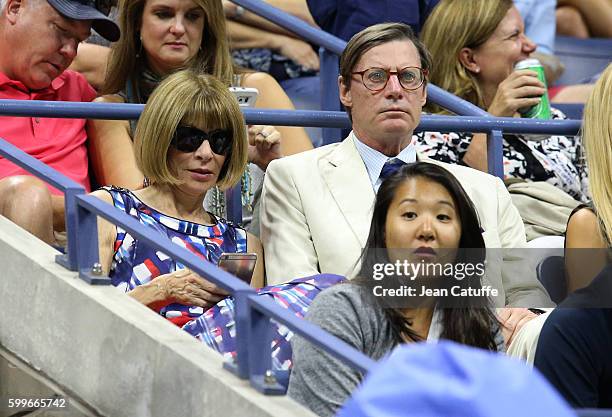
<point x="421" y="215"/>
<point x="475" y="59"/>
<point x="575" y="343"/>
<point x="190" y="137"/>
<point x="158" y="38"/>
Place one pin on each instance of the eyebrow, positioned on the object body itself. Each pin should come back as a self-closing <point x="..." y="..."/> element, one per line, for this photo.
<point x="413" y="200"/>
<point x="514" y="31"/>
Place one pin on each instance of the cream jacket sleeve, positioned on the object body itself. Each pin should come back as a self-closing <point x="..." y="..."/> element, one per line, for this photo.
<point x="282" y="216"/>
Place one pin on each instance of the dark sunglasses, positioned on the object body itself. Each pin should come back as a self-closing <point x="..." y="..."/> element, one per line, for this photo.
<point x="103" y="6"/>
<point x="189" y="139"/>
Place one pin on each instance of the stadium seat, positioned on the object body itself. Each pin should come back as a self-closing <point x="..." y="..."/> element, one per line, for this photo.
<point x="583" y="58"/>
<point x="551" y="273"/>
<point x="305" y="93"/>
<point x="572" y="111"/>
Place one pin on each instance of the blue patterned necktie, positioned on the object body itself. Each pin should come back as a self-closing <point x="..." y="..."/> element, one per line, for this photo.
<point x="390" y="167"/>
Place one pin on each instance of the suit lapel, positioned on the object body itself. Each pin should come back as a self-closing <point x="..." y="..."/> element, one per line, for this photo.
<point x="346" y="176"/>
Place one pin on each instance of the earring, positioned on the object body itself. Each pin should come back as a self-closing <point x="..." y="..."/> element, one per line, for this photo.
<point x="139" y="48"/>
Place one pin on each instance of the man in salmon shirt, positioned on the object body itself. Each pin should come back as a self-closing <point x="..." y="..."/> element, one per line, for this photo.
<point x="38" y="41"/>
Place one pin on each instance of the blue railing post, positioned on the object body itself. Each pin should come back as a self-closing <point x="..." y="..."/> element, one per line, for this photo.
<point x="260" y="333"/>
<point x="242" y="319"/>
<point x="86" y="237"/>
<point x="69" y="260"/>
<point x="330" y="98"/>
<point x="495" y="157"/>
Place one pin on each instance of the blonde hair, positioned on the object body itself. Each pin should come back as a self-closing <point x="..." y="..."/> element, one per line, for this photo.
<point x="452" y="26"/>
<point x="194" y="99"/>
<point x="212" y="58"/>
<point x="597" y="139"/>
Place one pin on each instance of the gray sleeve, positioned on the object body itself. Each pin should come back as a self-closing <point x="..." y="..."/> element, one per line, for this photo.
<point x="318" y="380"/>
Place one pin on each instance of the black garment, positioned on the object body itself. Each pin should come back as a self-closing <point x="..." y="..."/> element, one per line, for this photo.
<point x="345" y="18"/>
<point x="575" y="346"/>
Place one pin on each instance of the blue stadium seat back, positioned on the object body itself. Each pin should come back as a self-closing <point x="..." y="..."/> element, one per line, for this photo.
<point x="593" y="412"/>
<point x="305" y="93"/>
<point x="583" y="58"/>
<point x="572" y="111"/>
<point x="551" y="273"/>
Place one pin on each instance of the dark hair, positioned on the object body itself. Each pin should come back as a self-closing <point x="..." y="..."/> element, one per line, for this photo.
<point x="468" y="324"/>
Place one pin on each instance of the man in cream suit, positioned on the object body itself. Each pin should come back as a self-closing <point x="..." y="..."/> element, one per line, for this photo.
<point x="317" y="205"/>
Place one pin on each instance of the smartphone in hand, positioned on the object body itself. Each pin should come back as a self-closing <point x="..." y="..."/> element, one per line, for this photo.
<point x="240" y="264"/>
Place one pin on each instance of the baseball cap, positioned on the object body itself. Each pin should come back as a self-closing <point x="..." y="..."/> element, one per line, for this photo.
<point x="452" y="380"/>
<point x="94" y="10"/>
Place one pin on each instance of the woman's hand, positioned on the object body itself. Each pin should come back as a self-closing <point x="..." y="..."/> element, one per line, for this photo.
<point x="188" y="288"/>
<point x="512" y="321"/>
<point x="299" y="52"/>
<point x="521" y="89"/>
<point x="264" y="145"/>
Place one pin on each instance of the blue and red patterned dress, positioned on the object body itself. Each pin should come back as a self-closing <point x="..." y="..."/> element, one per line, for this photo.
<point x="135" y="263"/>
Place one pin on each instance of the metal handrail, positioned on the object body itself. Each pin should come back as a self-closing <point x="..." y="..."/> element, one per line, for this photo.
<point x="117" y="111"/>
<point x="494" y="126"/>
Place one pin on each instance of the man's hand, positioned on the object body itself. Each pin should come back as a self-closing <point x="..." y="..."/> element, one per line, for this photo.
<point x="512" y="321"/>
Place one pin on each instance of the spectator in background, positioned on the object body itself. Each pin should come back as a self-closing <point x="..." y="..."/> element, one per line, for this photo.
<point x="539" y="18"/>
<point x="575" y="343"/>
<point x="540" y="27"/>
<point x="160" y="37"/>
<point x="574" y="346"/>
<point x="92" y="55"/>
<point x="39" y="41"/>
<point x="190" y="137"/>
<point x="590" y="225"/>
<point x="475" y="61"/>
<point x="345" y="18"/>
<point x="421" y="206"/>
<point x="584" y="18"/>
<point x="261" y="45"/>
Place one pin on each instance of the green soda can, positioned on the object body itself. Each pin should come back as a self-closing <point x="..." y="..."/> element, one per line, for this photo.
<point x="541" y="110"/>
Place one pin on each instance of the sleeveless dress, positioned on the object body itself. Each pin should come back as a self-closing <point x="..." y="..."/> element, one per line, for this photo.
<point x="135" y="263"/>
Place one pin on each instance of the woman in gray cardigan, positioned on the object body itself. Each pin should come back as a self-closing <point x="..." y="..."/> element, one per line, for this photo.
<point x="421" y="216"/>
